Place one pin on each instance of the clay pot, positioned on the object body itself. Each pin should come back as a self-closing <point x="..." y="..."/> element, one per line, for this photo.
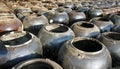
<point x="69" y="5"/>
<point x="84" y="53"/>
<point x="34" y="23"/>
<point x="112" y="41"/>
<point x="52" y="37"/>
<point x="117" y="29"/>
<point x="95" y="13"/>
<point x="85" y="29"/>
<point x="38" y="64"/>
<point x="9" y="23"/>
<point x="115" y="18"/>
<point x="104" y="24"/>
<point x="75" y="16"/>
<point x="18" y="46"/>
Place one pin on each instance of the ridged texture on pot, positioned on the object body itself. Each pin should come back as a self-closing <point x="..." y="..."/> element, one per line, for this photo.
<point x="112" y="41"/>
<point x="84" y="53"/>
<point x="104" y="24"/>
<point x="52" y="37"/>
<point x="38" y="64"/>
<point x="85" y="29"/>
<point x="18" y="46"/>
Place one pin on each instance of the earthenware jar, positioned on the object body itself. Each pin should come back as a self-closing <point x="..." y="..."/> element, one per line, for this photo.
<point x="85" y="29"/>
<point x="84" y="53"/>
<point x="52" y="36"/>
<point x="38" y="64"/>
<point x="18" y="46"/>
<point x="112" y="41"/>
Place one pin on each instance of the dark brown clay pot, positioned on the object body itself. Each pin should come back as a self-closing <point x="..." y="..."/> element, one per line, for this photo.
<point x="38" y="64"/>
<point x="104" y="24"/>
<point x="18" y="46"/>
<point x="52" y="37"/>
<point x="84" y="53"/>
<point x="112" y="41"/>
<point x="34" y="23"/>
<point x="85" y="29"/>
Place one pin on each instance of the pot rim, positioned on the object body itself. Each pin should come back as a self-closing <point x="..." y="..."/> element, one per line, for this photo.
<point x="58" y="25"/>
<point x="25" y="43"/>
<point x="85" y="52"/>
<point x="30" y="61"/>
<point x="107" y="38"/>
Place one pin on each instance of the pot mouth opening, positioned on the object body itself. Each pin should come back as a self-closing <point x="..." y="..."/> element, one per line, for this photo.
<point x="114" y="36"/>
<point x="87" y="25"/>
<point x="87" y="45"/>
<point x="56" y="28"/>
<point x="104" y="19"/>
<point x="15" y="38"/>
<point x="38" y="65"/>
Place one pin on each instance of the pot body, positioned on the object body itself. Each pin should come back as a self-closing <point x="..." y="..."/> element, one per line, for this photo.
<point x="38" y="64"/>
<point x="76" y="16"/>
<point x="52" y="37"/>
<point x="104" y="24"/>
<point x="112" y="41"/>
<point x="84" y="53"/>
<point x="84" y="29"/>
<point x="17" y="47"/>
<point x="34" y="23"/>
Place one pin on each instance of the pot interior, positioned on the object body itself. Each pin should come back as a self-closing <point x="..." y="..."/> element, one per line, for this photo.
<point x="114" y="36"/>
<point x="87" y="45"/>
<point x="104" y="19"/>
<point x="38" y="65"/>
<point x="15" y="38"/>
<point x="56" y="28"/>
<point x="87" y="25"/>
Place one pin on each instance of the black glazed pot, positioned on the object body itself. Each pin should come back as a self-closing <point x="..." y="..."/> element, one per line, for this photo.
<point x="34" y="23"/>
<point x="104" y="24"/>
<point x="84" y="53"/>
<point x="85" y="29"/>
<point x="115" y="18"/>
<point x="112" y="41"/>
<point x="95" y="13"/>
<point x="38" y="64"/>
<point x="69" y="5"/>
<point x="52" y="36"/>
<point x="75" y="16"/>
<point x="18" y="46"/>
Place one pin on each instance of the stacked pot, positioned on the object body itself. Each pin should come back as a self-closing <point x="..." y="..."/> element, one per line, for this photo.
<point x="60" y="34"/>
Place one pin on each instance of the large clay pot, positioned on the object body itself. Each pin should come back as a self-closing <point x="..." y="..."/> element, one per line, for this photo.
<point x="104" y="24"/>
<point x="85" y="29"/>
<point x="34" y="23"/>
<point x="112" y="41"/>
<point x="18" y="46"/>
<point x="38" y="64"/>
<point x="75" y="16"/>
<point x="52" y="37"/>
<point x="9" y="23"/>
<point x="84" y="53"/>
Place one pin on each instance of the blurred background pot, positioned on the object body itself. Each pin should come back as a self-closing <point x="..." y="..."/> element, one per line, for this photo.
<point x="34" y="23"/>
<point x="52" y="37"/>
<point x="18" y="46"/>
<point x="75" y="16"/>
<point x="10" y="23"/>
<point x="84" y="53"/>
<point x="85" y="29"/>
<point x="104" y="24"/>
<point x="112" y="41"/>
<point x="38" y="64"/>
